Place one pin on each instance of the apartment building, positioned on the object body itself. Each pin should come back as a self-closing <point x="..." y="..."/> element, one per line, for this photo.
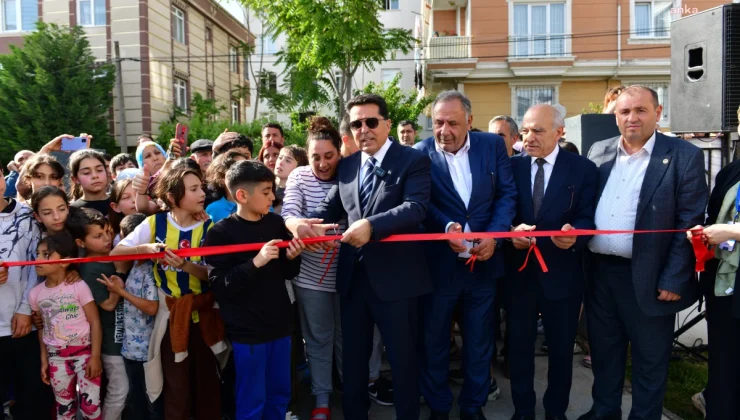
<point x="507" y="55"/>
<point x="171" y="50"/>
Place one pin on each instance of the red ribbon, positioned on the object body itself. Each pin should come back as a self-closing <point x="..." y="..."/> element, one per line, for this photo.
<point x="471" y="261"/>
<point x="702" y="252"/>
<point x="537" y="254"/>
<point x="328" y="266"/>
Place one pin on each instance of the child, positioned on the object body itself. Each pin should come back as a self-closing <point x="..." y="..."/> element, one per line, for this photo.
<point x="269" y="154"/>
<point x="139" y="307"/>
<point x="120" y="162"/>
<point x="21" y="359"/>
<point x="39" y="171"/>
<point x="88" y="170"/>
<point x="290" y="158"/>
<point x="251" y="292"/>
<point x="51" y="208"/>
<point x="122" y="204"/>
<point x="224" y="206"/>
<point x="92" y="233"/>
<point x="71" y="337"/>
<point x="190" y="323"/>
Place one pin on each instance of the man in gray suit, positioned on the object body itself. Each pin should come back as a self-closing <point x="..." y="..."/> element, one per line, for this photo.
<point x="637" y="283"/>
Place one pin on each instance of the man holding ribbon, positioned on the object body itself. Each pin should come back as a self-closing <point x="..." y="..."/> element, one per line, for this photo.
<point x="472" y="191"/>
<point x="383" y="191"/>
<point x="637" y="283"/>
<point x="556" y="193"/>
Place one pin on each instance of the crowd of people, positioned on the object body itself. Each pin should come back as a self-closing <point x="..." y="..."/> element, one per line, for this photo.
<point x="219" y="335"/>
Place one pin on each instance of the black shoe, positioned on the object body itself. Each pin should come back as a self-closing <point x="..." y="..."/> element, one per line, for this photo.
<point x="477" y="415"/>
<point x="380" y="394"/>
<point x="560" y="417"/>
<point x="439" y="415"/>
<point x="591" y="415"/>
<point x="517" y="416"/>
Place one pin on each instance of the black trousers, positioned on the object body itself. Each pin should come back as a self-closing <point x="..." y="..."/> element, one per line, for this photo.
<point x="20" y="368"/>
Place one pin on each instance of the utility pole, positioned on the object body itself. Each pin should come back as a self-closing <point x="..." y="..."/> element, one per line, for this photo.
<point x="122" y="139"/>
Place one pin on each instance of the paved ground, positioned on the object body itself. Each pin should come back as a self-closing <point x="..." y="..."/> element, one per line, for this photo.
<point x="501" y="409"/>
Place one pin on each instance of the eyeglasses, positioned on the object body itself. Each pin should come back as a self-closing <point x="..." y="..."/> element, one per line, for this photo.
<point x="371" y="123"/>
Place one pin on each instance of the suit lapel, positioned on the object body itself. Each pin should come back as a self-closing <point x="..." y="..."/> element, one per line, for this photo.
<point x="660" y="159"/>
<point x="557" y="177"/>
<point x="388" y="164"/>
<point x="475" y="159"/>
<point x="608" y="157"/>
<point x="355" y="184"/>
<point x="525" y="175"/>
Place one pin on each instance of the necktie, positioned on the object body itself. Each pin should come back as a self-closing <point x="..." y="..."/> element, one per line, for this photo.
<point x="366" y="189"/>
<point x="538" y="193"/>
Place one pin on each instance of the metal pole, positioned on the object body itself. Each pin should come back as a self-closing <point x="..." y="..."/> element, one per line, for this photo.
<point x="122" y="139"/>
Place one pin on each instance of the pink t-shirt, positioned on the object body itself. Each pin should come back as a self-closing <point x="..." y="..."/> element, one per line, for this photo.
<point x="65" y="323"/>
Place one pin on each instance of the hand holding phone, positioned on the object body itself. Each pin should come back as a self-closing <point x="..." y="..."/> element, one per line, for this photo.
<point x="73" y="144"/>
<point x="181" y="135"/>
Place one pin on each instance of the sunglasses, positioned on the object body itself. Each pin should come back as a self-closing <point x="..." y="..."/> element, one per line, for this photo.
<point x="371" y="123"/>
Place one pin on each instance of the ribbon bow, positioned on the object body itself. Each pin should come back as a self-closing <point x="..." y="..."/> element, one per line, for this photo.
<point x="538" y="254"/>
<point x="702" y="252"/>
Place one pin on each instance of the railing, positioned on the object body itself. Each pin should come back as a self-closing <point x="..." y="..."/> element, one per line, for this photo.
<point x="448" y="47"/>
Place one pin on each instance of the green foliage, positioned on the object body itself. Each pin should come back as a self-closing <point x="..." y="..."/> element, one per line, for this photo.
<point x="402" y="105"/>
<point x="53" y="86"/>
<point x="593" y="109"/>
<point x="205" y="123"/>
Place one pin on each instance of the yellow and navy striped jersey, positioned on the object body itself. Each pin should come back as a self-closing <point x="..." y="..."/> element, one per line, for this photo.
<point x="175" y="282"/>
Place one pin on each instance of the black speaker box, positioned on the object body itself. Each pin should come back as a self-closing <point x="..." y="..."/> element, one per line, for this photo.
<point x="705" y="71"/>
<point x="586" y="129"/>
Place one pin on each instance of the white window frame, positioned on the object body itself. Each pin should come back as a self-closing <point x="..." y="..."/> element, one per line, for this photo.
<point x="18" y="18"/>
<point x="233" y="59"/>
<point x="388" y="5"/>
<point x="568" y="47"/>
<point x="634" y="38"/>
<point x="79" y="15"/>
<point x="265" y="45"/>
<point x="339" y="79"/>
<point x="270" y="75"/>
<point x="178" y="18"/>
<point x="514" y="103"/>
<point x="181" y="93"/>
<point x="234" y="111"/>
<point x="665" y="121"/>
<point x="384" y="72"/>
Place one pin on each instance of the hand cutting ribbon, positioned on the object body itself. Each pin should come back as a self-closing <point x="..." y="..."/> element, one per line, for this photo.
<point x="702" y="251"/>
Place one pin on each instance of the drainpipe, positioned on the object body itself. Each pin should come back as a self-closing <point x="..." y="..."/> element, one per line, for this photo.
<point x="619" y="37"/>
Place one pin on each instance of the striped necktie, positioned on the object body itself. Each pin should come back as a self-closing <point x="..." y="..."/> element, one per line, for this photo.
<point x="366" y="190"/>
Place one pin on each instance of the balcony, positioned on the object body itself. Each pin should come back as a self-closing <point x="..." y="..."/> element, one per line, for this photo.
<point x="448" y="47"/>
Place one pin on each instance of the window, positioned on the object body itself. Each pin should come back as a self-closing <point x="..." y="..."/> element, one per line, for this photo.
<point x="389" y="74"/>
<point x="19" y="15"/>
<point x="181" y="94"/>
<point x="209" y="34"/>
<point x="265" y="41"/>
<point x="430" y="123"/>
<point x="651" y="19"/>
<point x="390" y="4"/>
<point x="268" y="81"/>
<point x="234" y="111"/>
<point x="233" y="59"/>
<point x="339" y="77"/>
<point x="90" y="12"/>
<point x="178" y="25"/>
<point x="210" y="93"/>
<point x="539" y="29"/>
<point x="526" y="96"/>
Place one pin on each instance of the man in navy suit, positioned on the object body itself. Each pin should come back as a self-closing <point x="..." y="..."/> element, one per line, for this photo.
<point x="472" y="191"/>
<point x="556" y="191"/>
<point x="383" y="190"/>
<point x="637" y="283"/>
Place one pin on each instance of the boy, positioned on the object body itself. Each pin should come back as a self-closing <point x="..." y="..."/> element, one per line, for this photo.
<point x="120" y="162"/>
<point x="20" y="355"/>
<point x="92" y="233"/>
<point x="139" y="308"/>
<point x="250" y="290"/>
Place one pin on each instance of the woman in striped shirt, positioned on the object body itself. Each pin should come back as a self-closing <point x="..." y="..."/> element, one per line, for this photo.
<point x="318" y="301"/>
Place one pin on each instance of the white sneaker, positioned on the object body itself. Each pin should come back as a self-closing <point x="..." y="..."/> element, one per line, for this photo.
<point x="290" y="416"/>
<point x="700" y="403"/>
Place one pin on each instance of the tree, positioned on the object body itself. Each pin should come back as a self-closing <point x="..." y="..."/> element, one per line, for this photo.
<point x="52" y="86"/>
<point x="331" y="39"/>
<point x="402" y="105"/>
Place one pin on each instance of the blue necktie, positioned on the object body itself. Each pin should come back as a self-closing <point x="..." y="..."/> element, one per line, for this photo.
<point x="366" y="190"/>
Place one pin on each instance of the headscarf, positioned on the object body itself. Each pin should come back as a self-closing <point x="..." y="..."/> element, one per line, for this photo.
<point x="144" y="145"/>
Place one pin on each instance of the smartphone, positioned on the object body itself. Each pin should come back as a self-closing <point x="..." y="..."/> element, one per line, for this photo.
<point x="74" y="144"/>
<point x="181" y="135"/>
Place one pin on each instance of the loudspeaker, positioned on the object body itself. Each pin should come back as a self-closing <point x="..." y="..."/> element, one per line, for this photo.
<point x="705" y="71"/>
<point x="586" y="129"/>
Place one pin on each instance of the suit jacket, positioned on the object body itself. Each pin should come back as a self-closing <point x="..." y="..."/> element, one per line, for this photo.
<point x="673" y="196"/>
<point x="569" y="198"/>
<point x="490" y="209"/>
<point x="398" y="205"/>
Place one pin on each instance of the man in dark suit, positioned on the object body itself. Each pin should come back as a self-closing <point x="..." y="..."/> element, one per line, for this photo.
<point x="472" y="191"/>
<point x="637" y="283"/>
<point x="383" y="191"/>
<point x="556" y="192"/>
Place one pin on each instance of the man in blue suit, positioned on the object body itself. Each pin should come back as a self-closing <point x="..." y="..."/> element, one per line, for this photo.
<point x="556" y="191"/>
<point x="383" y="190"/>
<point x="472" y="191"/>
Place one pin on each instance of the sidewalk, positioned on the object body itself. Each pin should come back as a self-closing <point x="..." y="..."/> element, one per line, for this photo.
<point x="500" y="409"/>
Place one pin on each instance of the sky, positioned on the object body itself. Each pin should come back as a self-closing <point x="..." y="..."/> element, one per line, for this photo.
<point x="233" y="7"/>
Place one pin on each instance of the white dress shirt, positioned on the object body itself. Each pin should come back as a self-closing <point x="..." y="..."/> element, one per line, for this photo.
<point x="379" y="155"/>
<point x="547" y="167"/>
<point x="459" y="166"/>
<point x="617" y="208"/>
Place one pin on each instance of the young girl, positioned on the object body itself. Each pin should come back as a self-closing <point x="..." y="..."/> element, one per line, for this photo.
<point x="290" y="158"/>
<point x="88" y="170"/>
<point x="71" y="338"/>
<point x="50" y="208"/>
<point x="184" y="289"/>
<point x="269" y="154"/>
<point x="216" y="179"/>
<point x="122" y="203"/>
<point x="39" y="171"/>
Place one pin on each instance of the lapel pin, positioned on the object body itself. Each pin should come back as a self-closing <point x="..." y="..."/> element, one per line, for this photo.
<point x="379" y="172"/>
<point x="665" y="161"/>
